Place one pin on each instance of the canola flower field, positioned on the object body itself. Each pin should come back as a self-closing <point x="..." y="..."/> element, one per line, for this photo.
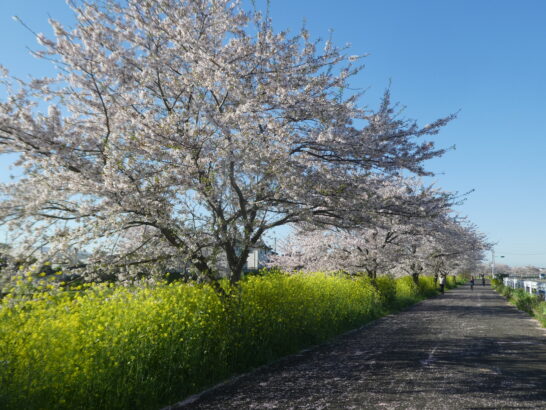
<point x="105" y="346"/>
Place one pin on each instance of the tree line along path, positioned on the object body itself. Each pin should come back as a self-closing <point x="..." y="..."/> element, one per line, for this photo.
<point x="467" y="349"/>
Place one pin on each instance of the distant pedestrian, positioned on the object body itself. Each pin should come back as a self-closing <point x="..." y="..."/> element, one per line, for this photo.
<point x="483" y="280"/>
<point x="472" y="283"/>
<point x="442" y="283"/>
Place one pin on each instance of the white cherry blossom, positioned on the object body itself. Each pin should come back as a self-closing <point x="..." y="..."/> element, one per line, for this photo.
<point x="188" y="129"/>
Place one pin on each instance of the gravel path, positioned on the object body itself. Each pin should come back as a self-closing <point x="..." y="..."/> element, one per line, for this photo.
<point x="463" y="350"/>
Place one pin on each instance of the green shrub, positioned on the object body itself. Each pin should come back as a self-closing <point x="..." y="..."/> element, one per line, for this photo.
<point x="540" y="312"/>
<point x="496" y="283"/>
<point x="506" y="292"/>
<point x="522" y="300"/>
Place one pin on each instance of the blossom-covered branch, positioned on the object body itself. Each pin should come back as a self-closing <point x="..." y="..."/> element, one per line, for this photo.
<point x="188" y="129"/>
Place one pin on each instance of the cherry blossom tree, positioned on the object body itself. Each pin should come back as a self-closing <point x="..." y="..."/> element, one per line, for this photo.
<point x="359" y="251"/>
<point x="377" y="246"/>
<point x="499" y="268"/>
<point x="436" y="244"/>
<point x="528" y="271"/>
<point x="188" y="129"/>
<point x="443" y="245"/>
<point x="465" y="250"/>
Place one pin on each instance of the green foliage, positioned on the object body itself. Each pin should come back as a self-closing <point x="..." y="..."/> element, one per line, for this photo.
<point x="114" y="347"/>
<point x="507" y="292"/>
<point x="495" y="283"/>
<point x="540" y="313"/>
<point x="525" y="301"/>
<point x="454" y="281"/>
<point x="522" y="300"/>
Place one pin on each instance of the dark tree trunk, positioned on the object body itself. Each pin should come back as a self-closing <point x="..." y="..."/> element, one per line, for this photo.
<point x="415" y="277"/>
<point x="236" y="263"/>
<point x="205" y="270"/>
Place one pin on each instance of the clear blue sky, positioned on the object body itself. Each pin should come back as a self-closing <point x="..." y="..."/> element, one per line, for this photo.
<point x="485" y="58"/>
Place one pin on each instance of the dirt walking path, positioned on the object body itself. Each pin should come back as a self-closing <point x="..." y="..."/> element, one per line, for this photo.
<point x="463" y="350"/>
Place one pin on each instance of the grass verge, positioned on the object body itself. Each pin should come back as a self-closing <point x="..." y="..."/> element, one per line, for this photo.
<point x="531" y="304"/>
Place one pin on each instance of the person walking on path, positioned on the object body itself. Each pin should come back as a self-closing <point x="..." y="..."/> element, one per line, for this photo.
<point x="483" y="279"/>
<point x="442" y="283"/>
<point x="472" y="282"/>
